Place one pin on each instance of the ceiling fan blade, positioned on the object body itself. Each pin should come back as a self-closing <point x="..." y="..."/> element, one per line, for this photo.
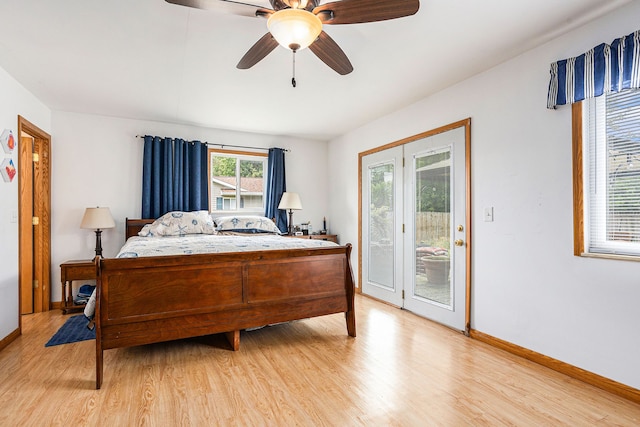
<point x="258" y="51"/>
<point x="330" y="53"/>
<point x="360" y="11"/>
<point x="230" y="6"/>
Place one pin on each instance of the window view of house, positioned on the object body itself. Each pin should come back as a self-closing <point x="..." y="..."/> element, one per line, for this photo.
<point x="237" y="181"/>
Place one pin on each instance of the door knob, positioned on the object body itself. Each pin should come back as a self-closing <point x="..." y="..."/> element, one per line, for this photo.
<point x="458" y="242"/>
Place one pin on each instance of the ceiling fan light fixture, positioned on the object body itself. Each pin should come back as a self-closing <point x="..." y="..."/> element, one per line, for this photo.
<point x="294" y="29"/>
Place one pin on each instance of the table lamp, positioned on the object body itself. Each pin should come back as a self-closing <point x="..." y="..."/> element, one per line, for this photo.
<point x="290" y="201"/>
<point x="97" y="219"/>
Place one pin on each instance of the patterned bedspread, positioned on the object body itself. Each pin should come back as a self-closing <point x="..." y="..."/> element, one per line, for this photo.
<point x="212" y="243"/>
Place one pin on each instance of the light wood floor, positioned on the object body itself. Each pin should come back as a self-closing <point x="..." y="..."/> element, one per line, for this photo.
<point x="401" y="370"/>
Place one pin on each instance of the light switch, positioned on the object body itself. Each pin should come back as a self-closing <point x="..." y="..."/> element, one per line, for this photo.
<point x="488" y="214"/>
<point x="13" y="218"/>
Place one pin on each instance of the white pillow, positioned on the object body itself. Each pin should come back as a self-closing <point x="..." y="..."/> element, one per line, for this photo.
<point x="180" y="224"/>
<point x="249" y="224"/>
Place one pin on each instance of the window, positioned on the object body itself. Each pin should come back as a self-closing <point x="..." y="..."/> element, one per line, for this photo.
<point x="237" y="181"/>
<point x="607" y="174"/>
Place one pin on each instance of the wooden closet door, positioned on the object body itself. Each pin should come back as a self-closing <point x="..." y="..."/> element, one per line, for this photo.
<point x="34" y="229"/>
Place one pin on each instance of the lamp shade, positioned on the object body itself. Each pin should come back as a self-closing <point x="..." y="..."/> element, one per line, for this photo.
<point x="97" y="218"/>
<point x="294" y="28"/>
<point x="290" y="201"/>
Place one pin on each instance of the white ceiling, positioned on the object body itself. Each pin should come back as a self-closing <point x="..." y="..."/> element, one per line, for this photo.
<point x="151" y="60"/>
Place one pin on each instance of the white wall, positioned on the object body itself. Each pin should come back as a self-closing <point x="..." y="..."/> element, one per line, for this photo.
<point x="16" y="100"/>
<point x="528" y="288"/>
<point x="97" y="161"/>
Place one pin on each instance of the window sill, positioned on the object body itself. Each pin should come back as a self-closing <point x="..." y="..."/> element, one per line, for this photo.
<point x="612" y="256"/>
<point x="237" y="213"/>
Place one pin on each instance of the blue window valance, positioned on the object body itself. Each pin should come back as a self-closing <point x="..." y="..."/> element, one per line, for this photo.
<point x="605" y="68"/>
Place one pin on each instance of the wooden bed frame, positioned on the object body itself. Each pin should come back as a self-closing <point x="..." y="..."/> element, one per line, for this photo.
<point x="152" y="299"/>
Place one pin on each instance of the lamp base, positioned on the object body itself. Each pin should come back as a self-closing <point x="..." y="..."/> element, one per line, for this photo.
<point x="99" y="243"/>
<point x="290" y="222"/>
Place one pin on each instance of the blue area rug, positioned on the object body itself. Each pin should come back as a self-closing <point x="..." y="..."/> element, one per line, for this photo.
<point x="74" y="330"/>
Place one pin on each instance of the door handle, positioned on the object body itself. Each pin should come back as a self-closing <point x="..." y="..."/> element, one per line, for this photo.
<point x="458" y="242"/>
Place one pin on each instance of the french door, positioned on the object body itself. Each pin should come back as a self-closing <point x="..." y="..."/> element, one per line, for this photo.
<point x="382" y="225"/>
<point x="414" y="225"/>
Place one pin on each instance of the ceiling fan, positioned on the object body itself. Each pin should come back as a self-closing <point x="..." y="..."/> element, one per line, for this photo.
<point x="296" y="24"/>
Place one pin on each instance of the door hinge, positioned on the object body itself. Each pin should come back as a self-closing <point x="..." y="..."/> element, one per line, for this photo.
<point x="35" y="284"/>
<point x="36" y="157"/>
<point x="35" y="220"/>
<point x="403" y="294"/>
<point x="403" y="162"/>
<point x="403" y="228"/>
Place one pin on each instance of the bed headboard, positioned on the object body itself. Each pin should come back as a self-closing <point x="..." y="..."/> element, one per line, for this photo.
<point x="133" y="226"/>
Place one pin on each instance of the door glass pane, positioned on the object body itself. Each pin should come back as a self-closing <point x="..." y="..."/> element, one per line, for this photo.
<point x="433" y="227"/>
<point x="381" y="197"/>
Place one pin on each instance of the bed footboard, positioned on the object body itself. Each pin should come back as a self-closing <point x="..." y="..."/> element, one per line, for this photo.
<point x="147" y="300"/>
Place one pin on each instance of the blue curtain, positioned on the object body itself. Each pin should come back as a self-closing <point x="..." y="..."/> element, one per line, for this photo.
<point x="276" y="185"/>
<point x="174" y="176"/>
<point x="604" y="69"/>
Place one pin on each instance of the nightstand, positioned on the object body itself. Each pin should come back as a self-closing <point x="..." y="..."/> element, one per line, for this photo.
<point x="330" y="237"/>
<point x="70" y="271"/>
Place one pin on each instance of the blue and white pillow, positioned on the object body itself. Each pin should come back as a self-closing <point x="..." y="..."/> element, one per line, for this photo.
<point x="180" y="224"/>
<point x="247" y="224"/>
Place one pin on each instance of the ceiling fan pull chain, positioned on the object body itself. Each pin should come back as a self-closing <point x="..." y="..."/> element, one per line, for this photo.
<point x="293" y="79"/>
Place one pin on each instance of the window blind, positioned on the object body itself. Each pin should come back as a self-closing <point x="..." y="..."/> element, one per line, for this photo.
<point x="612" y="216"/>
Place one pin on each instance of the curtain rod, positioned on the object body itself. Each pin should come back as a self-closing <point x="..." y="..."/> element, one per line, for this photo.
<point x="226" y="145"/>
